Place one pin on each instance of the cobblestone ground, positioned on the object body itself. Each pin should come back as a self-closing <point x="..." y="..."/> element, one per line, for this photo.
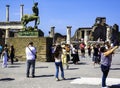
<point x="14" y="75"/>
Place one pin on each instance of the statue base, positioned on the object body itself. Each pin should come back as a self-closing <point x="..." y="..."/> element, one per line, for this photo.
<point x="34" y="33"/>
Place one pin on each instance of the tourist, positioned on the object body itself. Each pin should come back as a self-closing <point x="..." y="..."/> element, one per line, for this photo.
<point x="64" y="56"/>
<point x="89" y="50"/>
<point x="7" y="50"/>
<point x="67" y="48"/>
<point x="52" y="50"/>
<point x="106" y="59"/>
<point x="96" y="55"/>
<point x="12" y="53"/>
<point x="4" y="58"/>
<point x="75" y="55"/>
<point x="58" y="62"/>
<point x="1" y="48"/>
<point x="82" y="48"/>
<point x="30" y="55"/>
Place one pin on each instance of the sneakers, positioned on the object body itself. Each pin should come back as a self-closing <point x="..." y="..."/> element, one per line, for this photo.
<point x="33" y="76"/>
<point x="57" y="79"/>
<point x="27" y="76"/>
<point x="63" y="78"/>
<point x="106" y="87"/>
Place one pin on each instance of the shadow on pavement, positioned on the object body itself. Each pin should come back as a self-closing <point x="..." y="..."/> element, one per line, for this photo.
<point x="72" y="78"/>
<point x="18" y="63"/>
<point x="42" y="67"/>
<point x="7" y="79"/>
<point x="72" y="68"/>
<point x="114" y="68"/>
<point x="44" y="76"/>
<point x="13" y="66"/>
<point x="115" y="86"/>
<point x="81" y="63"/>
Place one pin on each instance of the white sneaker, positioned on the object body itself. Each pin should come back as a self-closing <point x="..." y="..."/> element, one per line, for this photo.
<point x="105" y="87"/>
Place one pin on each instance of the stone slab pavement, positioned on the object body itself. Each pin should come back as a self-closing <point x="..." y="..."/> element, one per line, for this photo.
<point x="83" y="75"/>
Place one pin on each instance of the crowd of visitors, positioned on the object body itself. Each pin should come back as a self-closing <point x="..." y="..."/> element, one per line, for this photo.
<point x="100" y="54"/>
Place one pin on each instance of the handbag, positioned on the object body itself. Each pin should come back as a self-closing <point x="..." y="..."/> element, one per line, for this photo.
<point x="33" y="53"/>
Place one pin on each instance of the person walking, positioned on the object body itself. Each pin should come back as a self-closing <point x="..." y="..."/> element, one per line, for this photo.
<point x="4" y="58"/>
<point x="30" y="56"/>
<point x="96" y="54"/>
<point x="64" y="56"/>
<point x="82" y="48"/>
<point x="106" y="59"/>
<point x="67" y="47"/>
<point x="12" y="53"/>
<point x="75" y="55"/>
<point x="58" y="62"/>
<point x="89" y="50"/>
<point x="1" y="48"/>
<point x="7" y="50"/>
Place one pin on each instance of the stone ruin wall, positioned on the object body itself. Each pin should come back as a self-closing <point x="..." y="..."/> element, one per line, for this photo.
<point x="41" y="43"/>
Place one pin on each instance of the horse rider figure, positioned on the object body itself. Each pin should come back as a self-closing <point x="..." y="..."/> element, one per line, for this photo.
<point x="27" y="18"/>
<point x="35" y="12"/>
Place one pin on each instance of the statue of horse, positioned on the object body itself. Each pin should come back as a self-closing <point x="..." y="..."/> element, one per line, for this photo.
<point x="28" y="18"/>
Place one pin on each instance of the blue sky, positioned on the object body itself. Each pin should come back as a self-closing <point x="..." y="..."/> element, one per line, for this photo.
<point x="62" y="13"/>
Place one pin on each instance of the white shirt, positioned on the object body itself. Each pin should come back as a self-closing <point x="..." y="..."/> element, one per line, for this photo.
<point x="58" y="59"/>
<point x="5" y="57"/>
<point x="29" y="54"/>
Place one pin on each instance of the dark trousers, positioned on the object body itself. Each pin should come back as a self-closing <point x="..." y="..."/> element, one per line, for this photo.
<point x="29" y="64"/>
<point x="105" y="71"/>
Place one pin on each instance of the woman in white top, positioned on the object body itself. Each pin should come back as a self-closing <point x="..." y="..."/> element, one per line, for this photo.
<point x="4" y="57"/>
<point x="58" y="62"/>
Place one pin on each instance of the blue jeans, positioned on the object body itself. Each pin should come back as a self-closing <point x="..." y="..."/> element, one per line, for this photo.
<point x="105" y="70"/>
<point x="29" y="64"/>
<point x="59" y="64"/>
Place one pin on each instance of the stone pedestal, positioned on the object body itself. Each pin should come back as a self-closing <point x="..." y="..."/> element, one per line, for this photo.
<point x="42" y="45"/>
<point x="35" y="33"/>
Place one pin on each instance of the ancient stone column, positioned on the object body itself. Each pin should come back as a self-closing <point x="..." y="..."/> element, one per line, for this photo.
<point x="7" y="33"/>
<point x="85" y="36"/>
<point x="68" y="40"/>
<point x="108" y="34"/>
<point x="7" y="20"/>
<point x="52" y="33"/>
<point x="7" y="12"/>
<point x="21" y="11"/>
<point x="80" y="34"/>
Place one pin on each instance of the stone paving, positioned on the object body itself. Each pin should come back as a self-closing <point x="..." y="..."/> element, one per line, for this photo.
<point x="14" y="75"/>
